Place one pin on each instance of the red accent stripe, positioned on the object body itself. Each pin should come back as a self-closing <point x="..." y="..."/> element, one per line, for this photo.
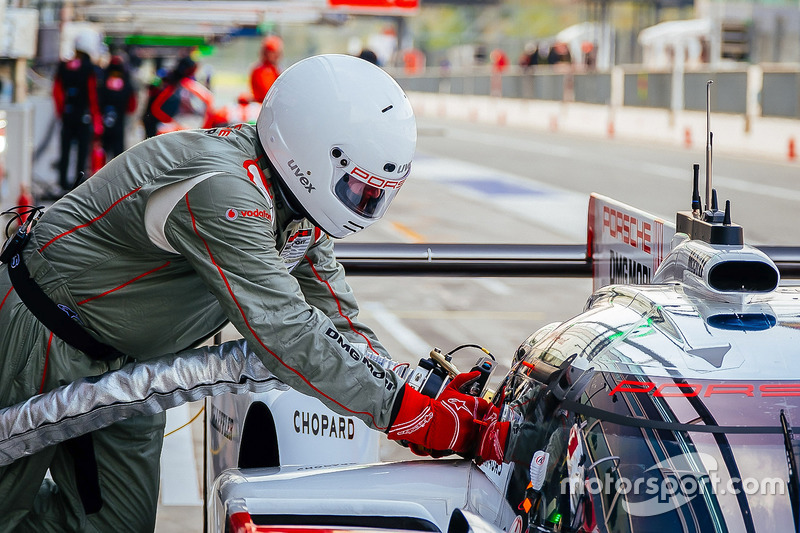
<point x="241" y="522"/>
<point x="95" y="219"/>
<point x="6" y="297"/>
<point x="46" y="360"/>
<point x="261" y="175"/>
<point x="253" y="332"/>
<point x="339" y="305"/>
<point x="124" y="284"/>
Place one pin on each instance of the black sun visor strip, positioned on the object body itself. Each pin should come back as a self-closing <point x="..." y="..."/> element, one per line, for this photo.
<point x="646" y="423"/>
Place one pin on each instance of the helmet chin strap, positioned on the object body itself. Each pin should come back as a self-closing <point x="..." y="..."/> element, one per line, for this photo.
<point x="285" y="196"/>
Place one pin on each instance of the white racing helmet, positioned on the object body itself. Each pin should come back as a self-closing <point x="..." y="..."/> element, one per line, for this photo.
<point x="341" y="134"/>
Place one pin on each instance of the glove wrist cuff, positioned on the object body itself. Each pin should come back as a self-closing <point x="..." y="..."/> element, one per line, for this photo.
<point x="410" y="417"/>
<point x="493" y="441"/>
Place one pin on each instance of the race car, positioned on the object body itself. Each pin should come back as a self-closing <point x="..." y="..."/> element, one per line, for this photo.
<point x="670" y="403"/>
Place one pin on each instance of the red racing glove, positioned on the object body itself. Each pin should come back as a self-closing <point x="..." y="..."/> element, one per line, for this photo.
<point x="493" y="437"/>
<point x="449" y="423"/>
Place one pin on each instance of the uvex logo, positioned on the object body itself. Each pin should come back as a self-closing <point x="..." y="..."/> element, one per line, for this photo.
<point x="300" y="176"/>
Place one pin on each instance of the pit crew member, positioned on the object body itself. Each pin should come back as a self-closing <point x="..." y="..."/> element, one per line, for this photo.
<point x="187" y="231"/>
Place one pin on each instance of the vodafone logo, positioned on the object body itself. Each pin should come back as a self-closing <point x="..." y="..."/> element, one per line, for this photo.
<point x="233" y="214"/>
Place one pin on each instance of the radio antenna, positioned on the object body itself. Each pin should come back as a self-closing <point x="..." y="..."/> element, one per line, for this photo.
<point x="709" y="138"/>
<point x="696" y="205"/>
<point x="713" y="226"/>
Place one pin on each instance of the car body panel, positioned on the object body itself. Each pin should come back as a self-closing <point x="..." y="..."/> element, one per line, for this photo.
<point x="425" y="492"/>
<point x="682" y="367"/>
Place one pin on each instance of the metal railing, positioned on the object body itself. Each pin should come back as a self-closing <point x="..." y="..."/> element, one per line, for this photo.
<point x="497" y="260"/>
<point x="756" y="90"/>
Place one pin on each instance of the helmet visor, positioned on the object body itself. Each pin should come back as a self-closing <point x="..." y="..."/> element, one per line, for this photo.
<point x="366" y="195"/>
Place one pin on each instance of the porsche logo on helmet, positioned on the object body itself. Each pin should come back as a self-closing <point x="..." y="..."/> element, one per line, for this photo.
<point x="376" y="181"/>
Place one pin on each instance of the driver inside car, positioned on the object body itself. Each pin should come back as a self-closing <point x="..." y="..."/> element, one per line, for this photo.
<point x="189" y="231"/>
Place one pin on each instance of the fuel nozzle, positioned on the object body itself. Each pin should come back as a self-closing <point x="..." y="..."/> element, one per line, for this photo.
<point x="434" y="373"/>
<point x="445" y="361"/>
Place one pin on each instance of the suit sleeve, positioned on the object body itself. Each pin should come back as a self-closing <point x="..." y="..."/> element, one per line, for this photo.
<point x="237" y="259"/>
<point x="322" y="280"/>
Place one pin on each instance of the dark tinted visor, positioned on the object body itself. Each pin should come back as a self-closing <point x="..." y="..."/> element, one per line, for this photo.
<point x="360" y="197"/>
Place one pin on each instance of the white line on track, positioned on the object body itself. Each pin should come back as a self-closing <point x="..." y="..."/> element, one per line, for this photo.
<point x="561" y="211"/>
<point x="395" y="327"/>
<point x="664" y="171"/>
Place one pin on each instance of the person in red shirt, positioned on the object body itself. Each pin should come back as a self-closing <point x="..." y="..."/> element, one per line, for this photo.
<point x="183" y="103"/>
<point x="75" y="99"/>
<point x="266" y="72"/>
<point x="499" y="60"/>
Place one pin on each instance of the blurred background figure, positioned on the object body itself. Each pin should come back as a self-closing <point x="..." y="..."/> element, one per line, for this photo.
<point x="559" y="54"/>
<point x="264" y="74"/>
<point x="244" y="111"/>
<point x="530" y="56"/>
<point x="183" y="102"/>
<point x="368" y="55"/>
<point x="499" y="60"/>
<point x="117" y="100"/>
<point x="413" y="61"/>
<point x="589" y="55"/>
<point x="75" y="91"/>
<point x="480" y="56"/>
<point x="154" y="88"/>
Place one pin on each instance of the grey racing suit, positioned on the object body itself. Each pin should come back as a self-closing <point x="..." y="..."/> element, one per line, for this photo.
<point x="167" y="243"/>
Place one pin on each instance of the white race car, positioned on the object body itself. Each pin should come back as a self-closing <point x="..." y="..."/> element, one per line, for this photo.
<point x="668" y="404"/>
